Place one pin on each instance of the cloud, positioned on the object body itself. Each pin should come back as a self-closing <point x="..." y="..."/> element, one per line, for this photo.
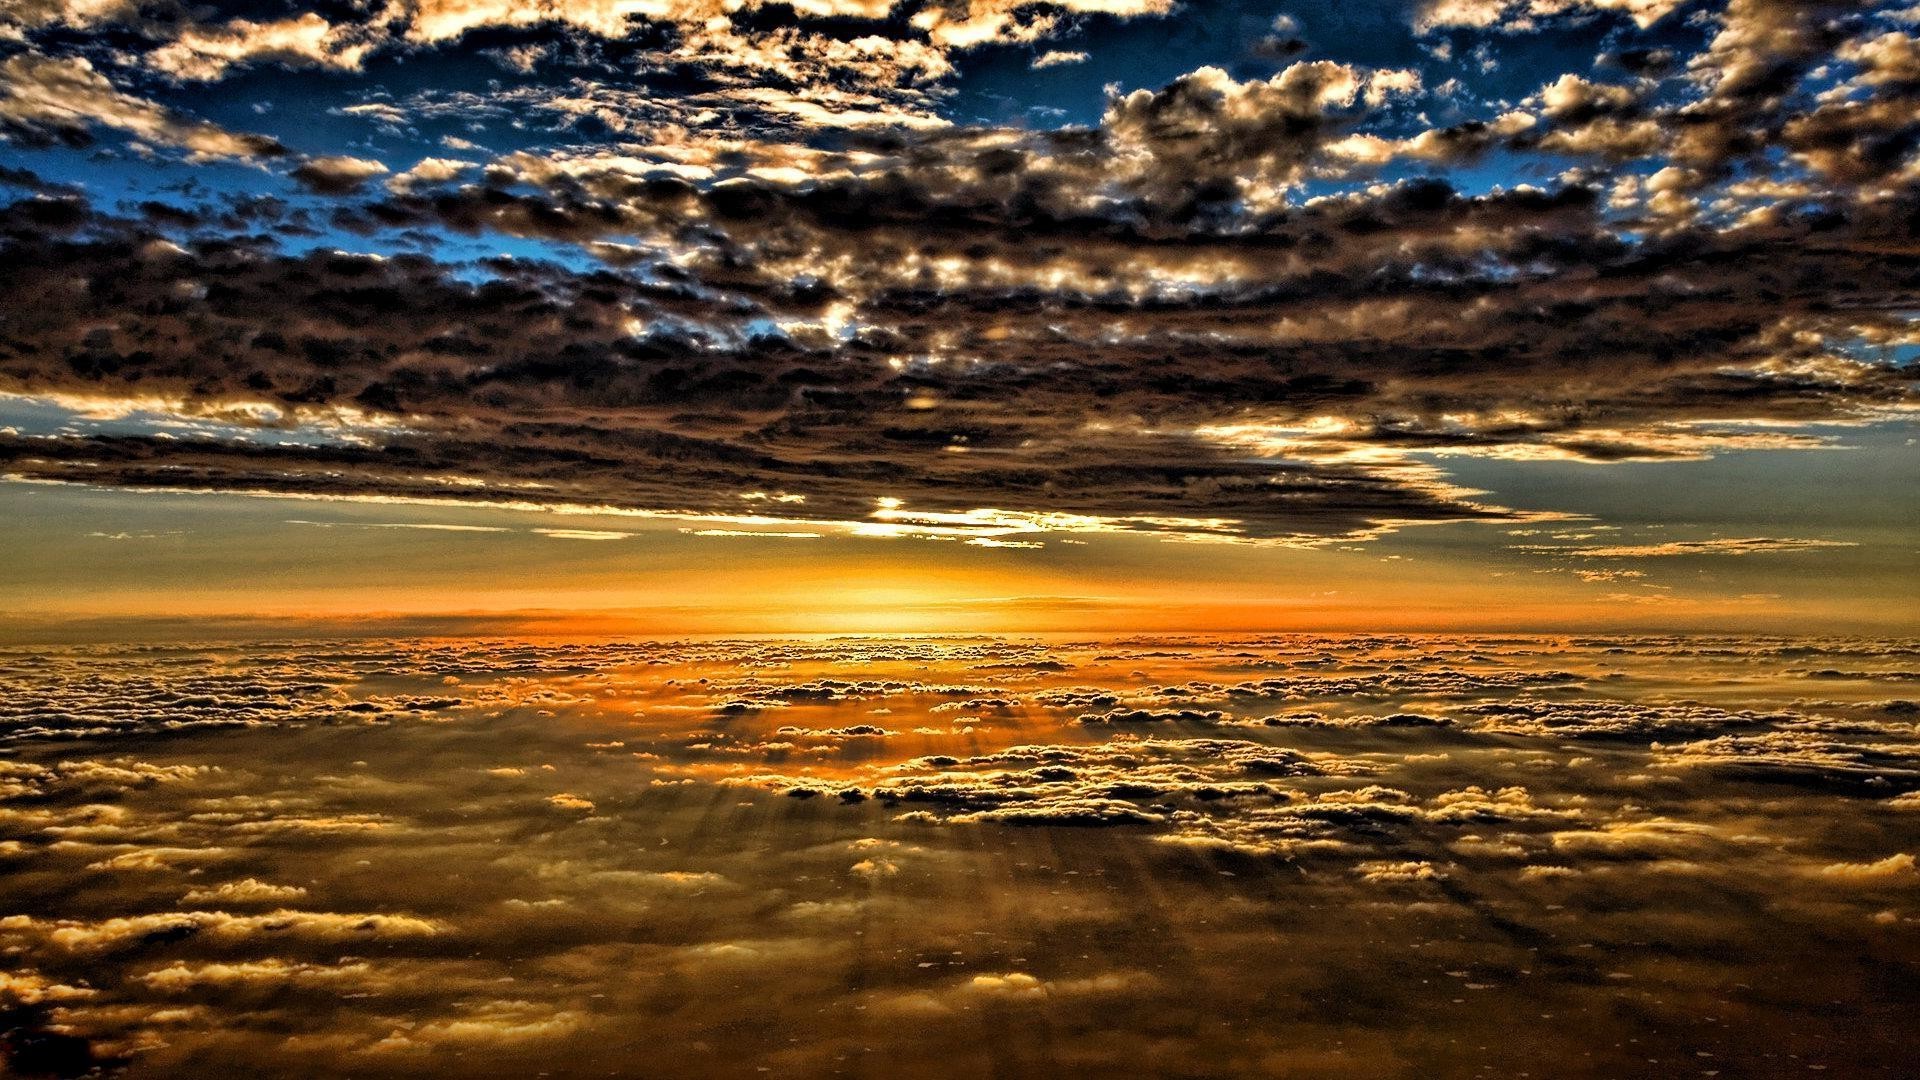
<point x="427" y="526"/>
<point x="1205" y="315"/>
<point x="429" y="170"/>
<point x="740" y="52"/>
<point x="105" y="936"/>
<point x="45" y="99"/>
<point x="203" y="54"/>
<point x="1153" y="716"/>
<point x="1246" y="309"/>
<point x="1521" y="16"/>
<point x="456" y="359"/>
<point x="1748" y="545"/>
<point x="1808" y="757"/>
<point x="1206" y="136"/>
<point x="583" y="534"/>
<point x="223" y="894"/>
<point x="1651" y="839"/>
<point x="1058" y="58"/>
<point x="247" y="891"/>
<point x="1614" y="719"/>
<point x="336" y="175"/>
<point x="1411" y="872"/>
<point x="1891" y="868"/>
<point x="92" y="702"/>
<point x="181" y="978"/>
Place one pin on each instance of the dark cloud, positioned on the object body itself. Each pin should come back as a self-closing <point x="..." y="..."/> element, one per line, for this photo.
<point x="336" y="175"/>
<point x="1144" y="324"/>
<point x="556" y="386"/>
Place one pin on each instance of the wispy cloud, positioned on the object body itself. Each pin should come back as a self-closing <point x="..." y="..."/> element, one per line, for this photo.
<point x="428" y="526"/>
<point x="582" y="534"/>
<point x="1750" y="545"/>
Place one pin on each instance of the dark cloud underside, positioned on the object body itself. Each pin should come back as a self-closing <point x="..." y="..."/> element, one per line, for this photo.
<point x="1235" y="305"/>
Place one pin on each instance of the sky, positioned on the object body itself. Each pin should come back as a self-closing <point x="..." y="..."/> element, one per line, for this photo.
<point x="1308" y="539"/>
<point x="717" y="316"/>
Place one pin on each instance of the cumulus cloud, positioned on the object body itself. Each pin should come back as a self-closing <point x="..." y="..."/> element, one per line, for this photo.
<point x="455" y="359"/>
<point x="91" y="702"/>
<point x="312" y="889"/>
<point x="752" y="58"/>
<point x="108" y="935"/>
<point x="247" y="891"/>
<point x="340" y="175"/>
<point x="1891" y="868"/>
<point x="1520" y="16"/>
<point x="1207" y="137"/>
<point x="202" y="54"/>
<point x="814" y="279"/>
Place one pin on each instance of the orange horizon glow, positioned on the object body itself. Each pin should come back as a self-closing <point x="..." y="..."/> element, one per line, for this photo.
<point x="900" y="615"/>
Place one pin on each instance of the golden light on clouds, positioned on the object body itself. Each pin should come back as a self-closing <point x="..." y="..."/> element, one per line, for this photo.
<point x="455" y="856"/>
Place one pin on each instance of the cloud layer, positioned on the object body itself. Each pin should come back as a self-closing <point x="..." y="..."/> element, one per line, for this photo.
<point x="454" y="857"/>
<point x="1235" y="305"/>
